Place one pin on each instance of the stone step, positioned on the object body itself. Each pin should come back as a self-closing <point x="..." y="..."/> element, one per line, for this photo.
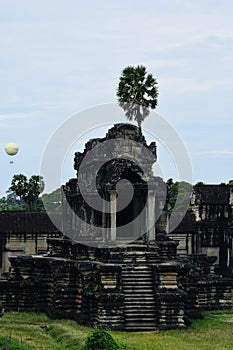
<point x="136" y="302"/>
<point x="142" y="288"/>
<point x="137" y="280"/>
<point x="151" y="311"/>
<point x="136" y="268"/>
<point x="138" y="297"/>
<point x="139" y="291"/>
<point x="139" y="307"/>
<point x="143" y="292"/>
<point x="140" y="268"/>
<point x="134" y="260"/>
<point x="129" y="316"/>
<point x="137" y="283"/>
<point x="140" y="257"/>
<point x="137" y="277"/>
<point x="130" y="268"/>
<point x="142" y="328"/>
<point x="140" y="285"/>
<point x="137" y="274"/>
<point x="143" y="315"/>
<point x="140" y="323"/>
<point x="139" y="318"/>
<point x="146" y="314"/>
<point x="139" y="301"/>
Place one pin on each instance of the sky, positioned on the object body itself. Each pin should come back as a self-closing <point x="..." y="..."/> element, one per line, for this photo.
<point x="59" y="58"/>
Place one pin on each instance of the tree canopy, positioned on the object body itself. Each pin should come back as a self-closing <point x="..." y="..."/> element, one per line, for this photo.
<point x="52" y="201"/>
<point x="137" y="92"/>
<point x="11" y="202"/>
<point x="183" y="190"/>
<point x="27" y="190"/>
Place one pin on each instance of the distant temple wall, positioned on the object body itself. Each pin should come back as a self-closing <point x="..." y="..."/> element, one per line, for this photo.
<point x="207" y="227"/>
<point x="24" y="233"/>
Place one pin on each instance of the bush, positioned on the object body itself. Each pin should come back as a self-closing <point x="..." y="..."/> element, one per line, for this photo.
<point x="101" y="339"/>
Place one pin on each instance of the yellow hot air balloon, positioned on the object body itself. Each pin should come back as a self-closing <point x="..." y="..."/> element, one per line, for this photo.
<point x="11" y="149"/>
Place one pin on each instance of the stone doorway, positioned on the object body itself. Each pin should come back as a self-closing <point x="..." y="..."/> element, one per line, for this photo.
<point x="128" y="224"/>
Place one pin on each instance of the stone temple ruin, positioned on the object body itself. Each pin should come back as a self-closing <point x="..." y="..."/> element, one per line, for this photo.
<point x="110" y="269"/>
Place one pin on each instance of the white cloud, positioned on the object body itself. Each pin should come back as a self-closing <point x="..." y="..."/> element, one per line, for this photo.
<point x="188" y="85"/>
<point x="10" y="116"/>
<point x="213" y="153"/>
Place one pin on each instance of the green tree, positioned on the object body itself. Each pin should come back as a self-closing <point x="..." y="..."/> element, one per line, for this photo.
<point x="180" y="195"/>
<point x="11" y="202"/>
<point x="52" y="201"/>
<point x="34" y="188"/>
<point x="28" y="191"/>
<point x="137" y="93"/>
<point x="19" y="185"/>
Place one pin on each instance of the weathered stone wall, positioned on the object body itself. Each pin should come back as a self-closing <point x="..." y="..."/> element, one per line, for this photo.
<point x="207" y="228"/>
<point x="85" y="291"/>
<point x="25" y="233"/>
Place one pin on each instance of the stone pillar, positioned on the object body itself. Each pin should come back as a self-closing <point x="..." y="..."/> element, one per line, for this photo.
<point x="104" y="220"/>
<point x="151" y="215"/>
<point x="136" y="225"/>
<point x="189" y="243"/>
<point x="113" y="198"/>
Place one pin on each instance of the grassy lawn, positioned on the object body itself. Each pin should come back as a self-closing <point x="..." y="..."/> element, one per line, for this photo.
<point x="215" y="332"/>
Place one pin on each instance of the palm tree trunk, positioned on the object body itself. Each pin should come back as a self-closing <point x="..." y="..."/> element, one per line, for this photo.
<point x="139" y="128"/>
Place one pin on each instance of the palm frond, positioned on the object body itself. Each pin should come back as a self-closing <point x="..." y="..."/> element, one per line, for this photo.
<point x="137" y="92"/>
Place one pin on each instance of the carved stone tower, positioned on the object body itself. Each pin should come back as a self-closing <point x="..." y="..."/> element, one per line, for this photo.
<point x="114" y="169"/>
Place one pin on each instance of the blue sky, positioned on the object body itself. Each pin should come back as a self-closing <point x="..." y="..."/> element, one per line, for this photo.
<point x="61" y="57"/>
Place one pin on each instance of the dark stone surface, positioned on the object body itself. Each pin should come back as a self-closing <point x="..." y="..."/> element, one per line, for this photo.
<point x="18" y="222"/>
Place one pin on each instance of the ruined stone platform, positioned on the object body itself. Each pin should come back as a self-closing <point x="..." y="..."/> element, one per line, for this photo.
<point x="131" y="288"/>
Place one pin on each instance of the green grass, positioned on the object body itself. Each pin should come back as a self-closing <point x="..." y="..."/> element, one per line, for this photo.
<point x="215" y="332"/>
<point x="13" y="344"/>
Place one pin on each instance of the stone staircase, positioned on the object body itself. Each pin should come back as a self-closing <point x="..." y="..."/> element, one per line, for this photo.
<point x="139" y="302"/>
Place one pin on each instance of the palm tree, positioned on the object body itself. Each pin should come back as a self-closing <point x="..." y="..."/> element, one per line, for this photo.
<point x="27" y="190"/>
<point x="137" y="93"/>
<point x="19" y="187"/>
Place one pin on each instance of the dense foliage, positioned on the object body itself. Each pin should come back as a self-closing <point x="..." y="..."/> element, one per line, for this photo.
<point x="137" y="93"/>
<point x="11" y="202"/>
<point x="27" y="191"/>
<point x="100" y="339"/>
<point x="52" y="201"/>
<point x="179" y="195"/>
<point x="24" y="194"/>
